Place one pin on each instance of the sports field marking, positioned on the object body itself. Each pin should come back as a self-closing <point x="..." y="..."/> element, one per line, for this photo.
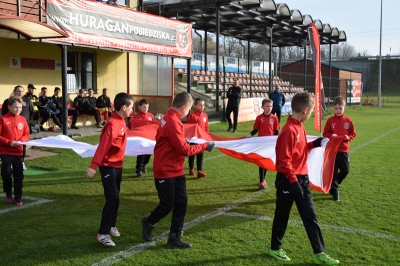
<point x="36" y="201"/>
<point x="214" y="157"/>
<point x="374" y="140"/>
<point x="140" y="247"/>
<point x="324" y="226"/>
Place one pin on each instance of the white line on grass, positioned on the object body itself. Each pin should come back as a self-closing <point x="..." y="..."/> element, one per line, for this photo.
<point x="328" y="227"/>
<point x="375" y="139"/>
<point x="140" y="247"/>
<point x="36" y="201"/>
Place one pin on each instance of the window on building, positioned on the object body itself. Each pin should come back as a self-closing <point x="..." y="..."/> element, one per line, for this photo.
<point x="81" y="70"/>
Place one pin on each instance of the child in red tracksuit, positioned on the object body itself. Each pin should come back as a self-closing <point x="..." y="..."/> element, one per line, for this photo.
<point x="109" y="158"/>
<point x="292" y="183"/>
<point x="340" y="125"/>
<point x="266" y="124"/>
<point x="143" y="114"/>
<point x="200" y="118"/>
<point x="13" y="129"/>
<point x="168" y="167"/>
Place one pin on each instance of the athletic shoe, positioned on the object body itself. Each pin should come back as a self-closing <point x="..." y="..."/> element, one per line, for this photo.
<point x="175" y="241"/>
<point x="18" y="203"/>
<point x="139" y="174"/>
<point x="98" y="125"/>
<point x="191" y="172"/>
<point x="103" y="123"/>
<point x="147" y="230"/>
<point x="9" y="198"/>
<point x="322" y="258"/>
<point x="52" y="129"/>
<point x="74" y="127"/>
<point x="234" y="130"/>
<point x="105" y="240"/>
<point x="114" y="231"/>
<point x="200" y="174"/>
<point x="229" y="128"/>
<point x="262" y="185"/>
<point x="279" y="254"/>
<point x="335" y="197"/>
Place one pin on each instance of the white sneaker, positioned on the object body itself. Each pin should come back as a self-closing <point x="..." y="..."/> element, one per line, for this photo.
<point x="23" y="166"/>
<point x="114" y="231"/>
<point x="105" y="240"/>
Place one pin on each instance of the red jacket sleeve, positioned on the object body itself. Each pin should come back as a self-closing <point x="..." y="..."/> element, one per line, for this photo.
<point x="190" y="119"/>
<point x="327" y="129"/>
<point x="178" y="141"/>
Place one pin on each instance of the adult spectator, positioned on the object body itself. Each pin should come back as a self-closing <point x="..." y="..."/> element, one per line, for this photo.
<point x="35" y="101"/>
<point x="83" y="105"/>
<point x="112" y="2"/>
<point x="27" y="106"/>
<point x="47" y="109"/>
<point x="234" y="96"/>
<point x="104" y="104"/>
<point x="57" y="99"/>
<point x="279" y="101"/>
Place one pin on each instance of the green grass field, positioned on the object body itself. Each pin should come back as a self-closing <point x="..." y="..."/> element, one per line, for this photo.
<point x="228" y="220"/>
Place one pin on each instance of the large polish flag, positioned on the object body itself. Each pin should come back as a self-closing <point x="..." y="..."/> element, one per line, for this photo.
<point x="259" y="150"/>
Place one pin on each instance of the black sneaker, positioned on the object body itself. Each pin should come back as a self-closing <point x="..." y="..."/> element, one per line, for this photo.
<point x="335" y="197"/>
<point x="74" y="127"/>
<point x="147" y="230"/>
<point x="175" y="241"/>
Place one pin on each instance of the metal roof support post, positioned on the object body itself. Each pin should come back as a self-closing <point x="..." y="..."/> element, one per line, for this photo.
<point x="64" y="88"/>
<point x="280" y="61"/>
<point x="270" y="64"/>
<point x="305" y="67"/>
<point x="205" y="50"/>
<point x="189" y="75"/>
<point x="330" y="72"/>
<point x="217" y="13"/>
<point x="380" y="62"/>
<point x="248" y="57"/>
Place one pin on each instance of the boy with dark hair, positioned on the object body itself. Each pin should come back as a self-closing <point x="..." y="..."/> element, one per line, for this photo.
<point x="143" y="114"/>
<point x="109" y="158"/>
<point x="340" y="125"/>
<point x="47" y="109"/>
<point x="168" y="167"/>
<point x="103" y="102"/>
<point x="57" y="99"/>
<point x="266" y="124"/>
<point x="13" y="129"/>
<point x="292" y="183"/>
<point x="200" y="118"/>
<point x="87" y="105"/>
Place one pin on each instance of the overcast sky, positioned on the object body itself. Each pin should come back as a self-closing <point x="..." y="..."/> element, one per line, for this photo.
<point x="360" y="19"/>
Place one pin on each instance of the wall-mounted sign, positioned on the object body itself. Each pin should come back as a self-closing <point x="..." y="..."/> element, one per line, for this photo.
<point x="34" y="63"/>
<point x="101" y="25"/>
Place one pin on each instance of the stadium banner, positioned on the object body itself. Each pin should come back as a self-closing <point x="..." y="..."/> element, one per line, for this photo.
<point x="319" y="96"/>
<point x="106" y="26"/>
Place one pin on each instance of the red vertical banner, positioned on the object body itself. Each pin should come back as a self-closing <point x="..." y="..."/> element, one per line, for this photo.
<point x="319" y="95"/>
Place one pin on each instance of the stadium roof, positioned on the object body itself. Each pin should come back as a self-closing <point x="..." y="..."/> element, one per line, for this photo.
<point x="251" y="20"/>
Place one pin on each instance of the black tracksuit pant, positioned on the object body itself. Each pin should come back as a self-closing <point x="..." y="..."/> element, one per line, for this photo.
<point x="305" y="206"/>
<point x="173" y="197"/>
<point x="141" y="162"/>
<point x="111" y="178"/>
<point x="341" y="170"/>
<point x="235" y="111"/>
<point x="199" y="161"/>
<point x="277" y="112"/>
<point x="12" y="166"/>
<point x="262" y="172"/>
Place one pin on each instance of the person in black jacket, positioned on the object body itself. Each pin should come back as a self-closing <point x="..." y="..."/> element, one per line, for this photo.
<point x="104" y="104"/>
<point x="89" y="107"/>
<point x="234" y="96"/>
<point x="57" y="99"/>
